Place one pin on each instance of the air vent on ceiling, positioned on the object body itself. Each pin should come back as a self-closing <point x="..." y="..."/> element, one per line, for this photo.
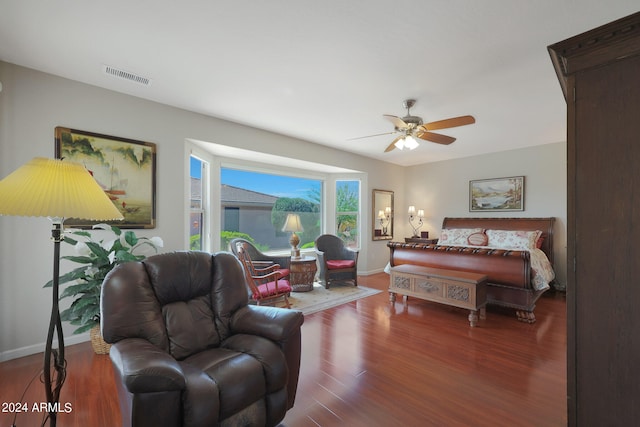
<point x="126" y="75"/>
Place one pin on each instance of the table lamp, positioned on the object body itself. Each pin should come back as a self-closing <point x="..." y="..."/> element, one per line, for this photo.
<point x="55" y="189"/>
<point x="293" y="224"/>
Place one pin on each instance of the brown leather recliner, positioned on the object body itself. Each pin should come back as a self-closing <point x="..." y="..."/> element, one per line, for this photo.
<point x="188" y="349"/>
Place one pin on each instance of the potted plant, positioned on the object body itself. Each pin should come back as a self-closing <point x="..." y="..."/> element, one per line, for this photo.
<point x="97" y="257"/>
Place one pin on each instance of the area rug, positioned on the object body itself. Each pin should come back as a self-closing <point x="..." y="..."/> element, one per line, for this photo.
<point x="321" y="299"/>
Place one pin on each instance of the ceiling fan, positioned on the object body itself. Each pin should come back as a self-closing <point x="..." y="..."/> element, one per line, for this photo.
<point x="412" y="126"/>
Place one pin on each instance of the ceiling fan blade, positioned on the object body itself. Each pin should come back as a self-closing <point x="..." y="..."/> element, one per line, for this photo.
<point x="435" y="137"/>
<point x="397" y="121"/>
<point x="449" y="123"/>
<point x="371" y="136"/>
<point x="393" y="144"/>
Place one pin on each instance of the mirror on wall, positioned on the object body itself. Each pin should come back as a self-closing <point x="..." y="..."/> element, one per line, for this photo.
<point x="382" y="203"/>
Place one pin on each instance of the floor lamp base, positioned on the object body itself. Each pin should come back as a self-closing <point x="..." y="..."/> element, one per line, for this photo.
<point x="53" y="385"/>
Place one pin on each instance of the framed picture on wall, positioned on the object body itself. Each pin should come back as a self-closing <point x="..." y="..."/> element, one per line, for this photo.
<point x="497" y="194"/>
<point x="124" y="168"/>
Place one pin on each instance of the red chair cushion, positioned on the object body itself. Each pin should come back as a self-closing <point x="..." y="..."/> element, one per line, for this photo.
<point x="269" y="289"/>
<point x="284" y="272"/>
<point x="334" y="264"/>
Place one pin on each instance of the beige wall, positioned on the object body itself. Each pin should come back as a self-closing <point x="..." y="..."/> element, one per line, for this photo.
<point x="32" y="104"/>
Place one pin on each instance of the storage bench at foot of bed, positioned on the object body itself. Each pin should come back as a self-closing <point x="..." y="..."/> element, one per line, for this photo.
<point x="450" y="287"/>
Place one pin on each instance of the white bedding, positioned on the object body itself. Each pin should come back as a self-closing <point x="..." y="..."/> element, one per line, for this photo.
<point x="541" y="271"/>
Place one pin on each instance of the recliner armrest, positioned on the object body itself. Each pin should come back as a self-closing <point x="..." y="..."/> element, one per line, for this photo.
<point x="273" y="323"/>
<point x="144" y="368"/>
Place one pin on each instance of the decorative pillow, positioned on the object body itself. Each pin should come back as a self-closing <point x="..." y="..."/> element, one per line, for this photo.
<point x="478" y="239"/>
<point x="540" y="241"/>
<point x="456" y="236"/>
<point x="513" y="239"/>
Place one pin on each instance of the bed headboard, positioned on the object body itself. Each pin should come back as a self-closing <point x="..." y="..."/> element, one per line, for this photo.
<point x="528" y="224"/>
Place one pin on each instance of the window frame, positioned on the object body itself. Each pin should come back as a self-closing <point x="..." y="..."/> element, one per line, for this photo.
<point x="357" y="213"/>
<point x="278" y="171"/>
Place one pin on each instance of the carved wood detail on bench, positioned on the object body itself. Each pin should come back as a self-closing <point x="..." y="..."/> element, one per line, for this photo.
<point x="450" y="287"/>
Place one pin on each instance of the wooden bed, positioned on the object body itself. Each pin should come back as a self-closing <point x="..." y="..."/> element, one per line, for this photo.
<point x="509" y="275"/>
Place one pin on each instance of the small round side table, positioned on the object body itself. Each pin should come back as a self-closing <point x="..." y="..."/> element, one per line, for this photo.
<point x="302" y="273"/>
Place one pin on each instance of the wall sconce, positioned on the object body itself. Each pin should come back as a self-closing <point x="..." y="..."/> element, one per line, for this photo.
<point x="385" y="216"/>
<point x="412" y="215"/>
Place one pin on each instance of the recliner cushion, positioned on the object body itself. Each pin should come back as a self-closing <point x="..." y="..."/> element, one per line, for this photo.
<point x="190" y="327"/>
<point x="269" y="354"/>
<point x="182" y="284"/>
<point x="239" y="377"/>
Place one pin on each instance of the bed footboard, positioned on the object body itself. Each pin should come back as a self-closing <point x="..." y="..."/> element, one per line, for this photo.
<point x="508" y="271"/>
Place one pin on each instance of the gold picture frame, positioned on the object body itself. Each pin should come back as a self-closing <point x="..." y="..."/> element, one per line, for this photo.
<point x="497" y="194"/>
<point x="124" y="168"/>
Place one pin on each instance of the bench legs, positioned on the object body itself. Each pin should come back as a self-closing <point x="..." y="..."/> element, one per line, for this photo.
<point x="523" y="316"/>
<point x="526" y="316"/>
<point x="473" y="316"/>
<point x="392" y="297"/>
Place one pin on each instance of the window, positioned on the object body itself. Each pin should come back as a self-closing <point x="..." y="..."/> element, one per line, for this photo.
<point x="348" y="212"/>
<point x="255" y="206"/>
<point x="197" y="218"/>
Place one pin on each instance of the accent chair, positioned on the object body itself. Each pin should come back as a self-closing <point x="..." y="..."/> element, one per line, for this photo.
<point x="260" y="259"/>
<point x="336" y="262"/>
<point x="266" y="285"/>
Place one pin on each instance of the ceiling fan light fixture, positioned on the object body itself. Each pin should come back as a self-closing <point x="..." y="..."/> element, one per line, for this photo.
<point x="410" y="127"/>
<point x="410" y="142"/>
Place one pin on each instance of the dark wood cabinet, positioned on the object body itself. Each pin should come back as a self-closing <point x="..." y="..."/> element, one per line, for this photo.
<point x="599" y="72"/>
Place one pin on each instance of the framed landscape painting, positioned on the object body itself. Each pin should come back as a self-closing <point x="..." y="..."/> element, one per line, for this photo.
<point x="497" y="194"/>
<point x="124" y="168"/>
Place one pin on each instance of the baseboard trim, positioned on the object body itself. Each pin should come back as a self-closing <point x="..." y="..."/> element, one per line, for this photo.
<point x="39" y="348"/>
<point x="370" y="272"/>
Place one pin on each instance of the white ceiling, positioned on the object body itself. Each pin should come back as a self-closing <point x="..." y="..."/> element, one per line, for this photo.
<point x="323" y="71"/>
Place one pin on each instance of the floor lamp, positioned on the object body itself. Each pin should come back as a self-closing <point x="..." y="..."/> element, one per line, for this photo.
<point x="55" y="189"/>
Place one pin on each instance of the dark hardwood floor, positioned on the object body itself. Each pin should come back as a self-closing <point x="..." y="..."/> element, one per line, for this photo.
<point x="371" y="363"/>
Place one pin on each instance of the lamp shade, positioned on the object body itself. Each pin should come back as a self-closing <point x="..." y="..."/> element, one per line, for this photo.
<point x="55" y="188"/>
<point x="292" y="223"/>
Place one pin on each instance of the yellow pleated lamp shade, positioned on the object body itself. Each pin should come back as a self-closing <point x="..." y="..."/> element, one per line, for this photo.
<point x="55" y="188"/>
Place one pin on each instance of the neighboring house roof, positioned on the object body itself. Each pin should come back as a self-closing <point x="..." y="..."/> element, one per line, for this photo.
<point x="240" y="196"/>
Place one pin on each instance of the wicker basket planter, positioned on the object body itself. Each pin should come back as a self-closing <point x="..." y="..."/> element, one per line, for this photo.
<point x="99" y="345"/>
